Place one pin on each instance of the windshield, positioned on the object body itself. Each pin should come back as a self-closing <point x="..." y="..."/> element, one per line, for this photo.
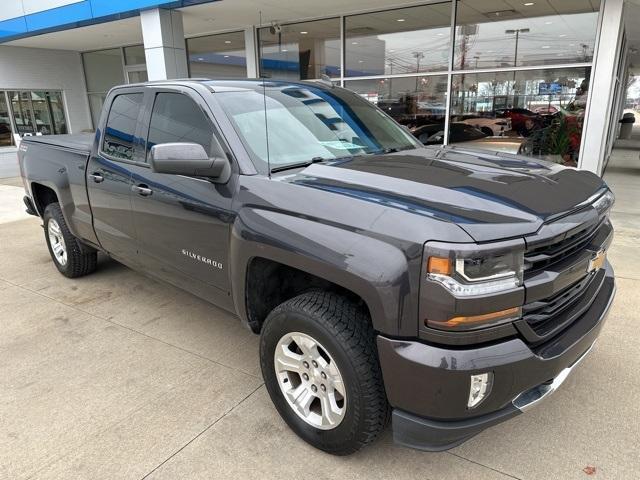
<point x="307" y="123"/>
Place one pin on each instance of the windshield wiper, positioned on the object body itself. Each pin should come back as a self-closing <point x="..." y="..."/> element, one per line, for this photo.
<point x="291" y="166"/>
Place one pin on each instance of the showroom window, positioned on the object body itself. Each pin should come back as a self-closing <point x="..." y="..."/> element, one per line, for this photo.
<point x="524" y="33"/>
<point x="412" y="101"/>
<point x="104" y="69"/>
<point x="34" y="112"/>
<point x="406" y="40"/>
<point x="300" y="51"/>
<point x="533" y="112"/>
<point x="217" y="56"/>
<point x="6" y="133"/>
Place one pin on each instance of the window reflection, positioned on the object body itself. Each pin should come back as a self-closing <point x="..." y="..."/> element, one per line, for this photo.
<point x="405" y="40"/>
<point x="411" y="101"/>
<point x="491" y="34"/>
<point x="6" y="136"/>
<point x="217" y="56"/>
<point x="534" y="112"/>
<point x="301" y="51"/>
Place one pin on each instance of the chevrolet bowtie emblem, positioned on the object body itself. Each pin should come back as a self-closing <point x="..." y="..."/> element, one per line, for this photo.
<point x="597" y="261"/>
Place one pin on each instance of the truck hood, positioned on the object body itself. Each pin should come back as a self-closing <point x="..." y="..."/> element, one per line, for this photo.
<point x="489" y="196"/>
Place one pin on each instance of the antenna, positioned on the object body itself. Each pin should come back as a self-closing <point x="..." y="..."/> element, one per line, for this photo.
<point x="264" y="98"/>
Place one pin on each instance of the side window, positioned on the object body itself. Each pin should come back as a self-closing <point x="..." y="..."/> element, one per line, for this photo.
<point x="177" y="118"/>
<point x="119" y="133"/>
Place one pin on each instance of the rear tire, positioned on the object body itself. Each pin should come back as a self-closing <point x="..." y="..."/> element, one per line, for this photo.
<point x="70" y="257"/>
<point x="487" y="131"/>
<point x="340" y="333"/>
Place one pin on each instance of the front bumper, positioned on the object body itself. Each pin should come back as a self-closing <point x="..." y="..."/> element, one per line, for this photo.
<point x="428" y="386"/>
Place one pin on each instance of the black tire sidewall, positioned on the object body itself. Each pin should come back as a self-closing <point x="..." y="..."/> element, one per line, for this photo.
<point x="344" y="436"/>
<point x="53" y="212"/>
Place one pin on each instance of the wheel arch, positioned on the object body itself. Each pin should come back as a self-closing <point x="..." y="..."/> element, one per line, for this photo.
<point x="367" y="269"/>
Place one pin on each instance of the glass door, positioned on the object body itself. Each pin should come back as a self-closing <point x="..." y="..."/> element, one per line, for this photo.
<point x="6" y="137"/>
<point x="22" y="109"/>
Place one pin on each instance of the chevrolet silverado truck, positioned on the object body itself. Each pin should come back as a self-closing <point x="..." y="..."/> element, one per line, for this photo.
<point x="442" y="289"/>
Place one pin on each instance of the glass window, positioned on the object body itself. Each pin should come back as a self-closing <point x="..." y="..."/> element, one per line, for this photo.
<point x="119" y="135"/>
<point x="22" y="112"/>
<point x="6" y="135"/>
<point x="412" y="101"/>
<point x="134" y="55"/>
<point x="533" y="112"/>
<point x="177" y="118"/>
<point x="323" y="124"/>
<point x="103" y="70"/>
<point x="507" y="34"/>
<point x="406" y="40"/>
<point x="217" y="56"/>
<point x="38" y="112"/>
<point x="301" y="51"/>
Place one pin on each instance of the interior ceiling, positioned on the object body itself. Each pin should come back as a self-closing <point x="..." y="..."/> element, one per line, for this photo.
<point x="225" y="15"/>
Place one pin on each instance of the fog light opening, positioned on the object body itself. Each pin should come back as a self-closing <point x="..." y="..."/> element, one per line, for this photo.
<point x="480" y="388"/>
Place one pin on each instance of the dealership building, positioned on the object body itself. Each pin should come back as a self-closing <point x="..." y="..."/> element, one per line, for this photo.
<point x="545" y="78"/>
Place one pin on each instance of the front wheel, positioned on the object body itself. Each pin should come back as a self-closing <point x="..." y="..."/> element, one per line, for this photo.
<point x="70" y="257"/>
<point x="320" y="366"/>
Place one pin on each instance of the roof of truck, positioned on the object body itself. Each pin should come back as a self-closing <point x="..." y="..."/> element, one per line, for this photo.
<point x="234" y="84"/>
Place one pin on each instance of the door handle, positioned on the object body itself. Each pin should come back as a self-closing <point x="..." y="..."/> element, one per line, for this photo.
<point x="96" y="177"/>
<point x="142" y="190"/>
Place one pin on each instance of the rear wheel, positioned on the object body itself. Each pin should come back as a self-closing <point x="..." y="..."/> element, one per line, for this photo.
<point x="70" y="257"/>
<point x="487" y="131"/>
<point x="320" y="365"/>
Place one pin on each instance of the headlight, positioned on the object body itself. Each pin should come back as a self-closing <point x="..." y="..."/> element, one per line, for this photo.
<point x="477" y="275"/>
<point x="468" y="270"/>
<point x="604" y="203"/>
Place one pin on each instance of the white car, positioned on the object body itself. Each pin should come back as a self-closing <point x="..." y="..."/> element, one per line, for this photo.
<point x="494" y="127"/>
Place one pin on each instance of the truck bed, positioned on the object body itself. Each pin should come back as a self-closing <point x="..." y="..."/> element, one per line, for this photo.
<point x="79" y="142"/>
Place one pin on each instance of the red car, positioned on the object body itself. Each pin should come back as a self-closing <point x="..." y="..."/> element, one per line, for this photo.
<point x="523" y="121"/>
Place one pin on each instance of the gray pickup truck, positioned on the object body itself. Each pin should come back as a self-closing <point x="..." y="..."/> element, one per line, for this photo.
<point x="442" y="288"/>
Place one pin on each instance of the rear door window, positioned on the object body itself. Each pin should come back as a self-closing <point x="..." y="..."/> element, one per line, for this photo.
<point x="119" y="134"/>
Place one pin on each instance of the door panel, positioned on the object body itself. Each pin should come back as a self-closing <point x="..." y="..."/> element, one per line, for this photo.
<point x="109" y="177"/>
<point x="182" y="223"/>
<point x="109" y="188"/>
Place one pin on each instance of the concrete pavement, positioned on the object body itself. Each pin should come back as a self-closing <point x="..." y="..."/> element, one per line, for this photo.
<point x="118" y="376"/>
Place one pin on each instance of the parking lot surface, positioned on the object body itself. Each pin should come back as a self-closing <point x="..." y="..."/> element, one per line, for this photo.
<point x="115" y="375"/>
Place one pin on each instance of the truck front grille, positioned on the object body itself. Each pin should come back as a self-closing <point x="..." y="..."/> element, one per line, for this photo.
<point x="544" y="316"/>
<point x="544" y="256"/>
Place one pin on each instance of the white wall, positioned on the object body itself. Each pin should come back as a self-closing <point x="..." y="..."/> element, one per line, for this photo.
<point x="40" y="69"/>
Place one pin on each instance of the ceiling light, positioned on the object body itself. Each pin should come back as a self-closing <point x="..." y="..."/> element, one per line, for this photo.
<point x="285" y="50"/>
<point x="548" y="23"/>
<point x="200" y="59"/>
<point x="572" y="44"/>
<point x="528" y="4"/>
<point x="227" y="41"/>
<point x="303" y="33"/>
<point x="440" y="34"/>
<point x="563" y="35"/>
<point x="546" y="46"/>
<point x="354" y="43"/>
<point x="226" y="56"/>
<point x="360" y="61"/>
<point x="400" y="20"/>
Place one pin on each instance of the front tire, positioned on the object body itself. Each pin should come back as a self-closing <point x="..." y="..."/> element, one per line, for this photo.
<point x="70" y="257"/>
<point x="320" y="366"/>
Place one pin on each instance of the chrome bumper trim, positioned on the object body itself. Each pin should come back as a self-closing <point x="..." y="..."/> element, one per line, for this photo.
<point x="530" y="398"/>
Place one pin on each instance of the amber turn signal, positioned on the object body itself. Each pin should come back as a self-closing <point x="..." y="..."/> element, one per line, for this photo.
<point x="440" y="266"/>
<point x="475" y="319"/>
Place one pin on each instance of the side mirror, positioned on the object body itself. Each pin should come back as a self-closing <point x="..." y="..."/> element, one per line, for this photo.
<point x="188" y="159"/>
